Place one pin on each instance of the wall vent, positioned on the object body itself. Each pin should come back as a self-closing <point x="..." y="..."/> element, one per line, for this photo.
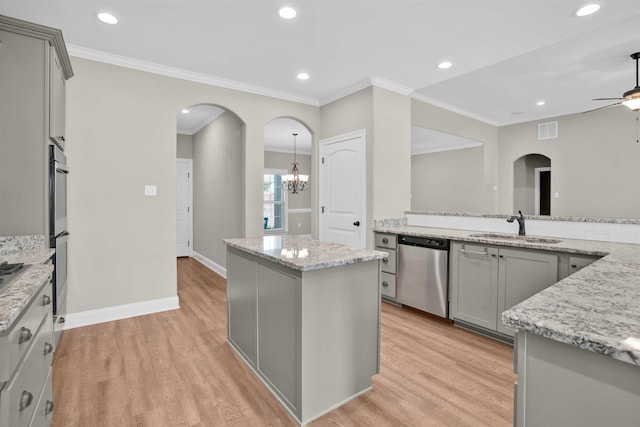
<point x="547" y="130"/>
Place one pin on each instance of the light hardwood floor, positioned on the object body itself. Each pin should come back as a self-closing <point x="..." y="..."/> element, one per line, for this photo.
<point x="176" y="369"/>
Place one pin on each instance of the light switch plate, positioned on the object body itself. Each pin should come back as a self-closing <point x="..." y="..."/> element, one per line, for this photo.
<point x="150" y="190"/>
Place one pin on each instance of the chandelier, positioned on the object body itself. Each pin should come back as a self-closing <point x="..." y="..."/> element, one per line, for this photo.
<point x="294" y="182"/>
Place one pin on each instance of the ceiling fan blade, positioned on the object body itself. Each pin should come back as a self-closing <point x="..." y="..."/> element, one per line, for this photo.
<point x="605" y="106"/>
<point x="606" y="99"/>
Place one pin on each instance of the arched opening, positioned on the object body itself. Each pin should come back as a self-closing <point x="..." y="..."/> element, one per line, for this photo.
<point x="211" y="138"/>
<point x="532" y="184"/>
<point x="285" y="212"/>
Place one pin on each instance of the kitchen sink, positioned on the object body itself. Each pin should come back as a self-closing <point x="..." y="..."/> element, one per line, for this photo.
<point x="529" y="239"/>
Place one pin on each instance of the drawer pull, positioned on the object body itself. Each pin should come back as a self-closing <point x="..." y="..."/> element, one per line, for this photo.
<point x="574" y="266"/>
<point x="385" y="284"/>
<point x="48" y="348"/>
<point x="25" y="400"/>
<point x="474" y="253"/>
<point x="60" y="319"/>
<point x="25" y="335"/>
<point x="46" y="300"/>
<point x="385" y="260"/>
<point x="385" y="240"/>
<point x="48" y="408"/>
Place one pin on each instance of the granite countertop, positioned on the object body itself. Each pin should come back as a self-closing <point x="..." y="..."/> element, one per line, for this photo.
<point x="596" y="309"/>
<point x="17" y="294"/>
<point x="38" y="256"/>
<point x="303" y="254"/>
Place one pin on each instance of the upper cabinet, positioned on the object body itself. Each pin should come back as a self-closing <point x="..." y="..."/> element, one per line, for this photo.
<point x="34" y="65"/>
<point x="57" y="83"/>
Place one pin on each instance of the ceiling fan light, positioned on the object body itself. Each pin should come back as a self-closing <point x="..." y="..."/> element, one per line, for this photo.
<point x="632" y="104"/>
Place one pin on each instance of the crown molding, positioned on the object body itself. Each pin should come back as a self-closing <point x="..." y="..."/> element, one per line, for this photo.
<point x="163" y="70"/>
<point x="389" y="85"/>
<point x="453" y="109"/>
<point x="365" y="83"/>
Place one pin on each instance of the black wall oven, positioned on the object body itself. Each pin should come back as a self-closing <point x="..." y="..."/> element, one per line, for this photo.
<point x="59" y="233"/>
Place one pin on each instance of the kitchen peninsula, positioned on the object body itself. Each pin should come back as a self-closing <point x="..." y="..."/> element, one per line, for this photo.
<point x="305" y="316"/>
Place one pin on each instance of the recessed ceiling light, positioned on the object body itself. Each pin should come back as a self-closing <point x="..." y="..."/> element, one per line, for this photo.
<point x="303" y="76"/>
<point x="184" y="111"/>
<point x="287" y="13"/>
<point x="587" y="10"/>
<point x="540" y="103"/>
<point x="444" y="65"/>
<point x="107" y="18"/>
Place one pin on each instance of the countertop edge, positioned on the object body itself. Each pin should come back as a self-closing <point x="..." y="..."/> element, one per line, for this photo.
<point x="19" y="293"/>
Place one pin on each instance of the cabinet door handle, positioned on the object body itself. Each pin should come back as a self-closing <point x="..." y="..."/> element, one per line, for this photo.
<point x="474" y="253"/>
<point x="385" y="240"/>
<point x="574" y="266"/>
<point x="61" y="138"/>
<point x="25" y="335"/>
<point x="60" y="319"/>
<point x="48" y="408"/>
<point x="46" y="300"/>
<point x="385" y="260"/>
<point x="25" y="400"/>
<point x="48" y="348"/>
<point x="385" y="284"/>
<point x="356" y="223"/>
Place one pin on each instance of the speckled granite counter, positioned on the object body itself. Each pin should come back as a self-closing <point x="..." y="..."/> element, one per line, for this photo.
<point x="17" y="294"/>
<point x="304" y="254"/>
<point x="29" y="257"/>
<point x="596" y="309"/>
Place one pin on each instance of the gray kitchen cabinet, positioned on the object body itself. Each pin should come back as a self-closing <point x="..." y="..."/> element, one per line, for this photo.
<point x="25" y="84"/>
<point x="474" y="284"/>
<point x="487" y="280"/>
<point x="26" y="353"/>
<point x="57" y="84"/>
<point x="241" y="312"/>
<point x="388" y="243"/>
<point x="570" y="263"/>
<point x="522" y="274"/>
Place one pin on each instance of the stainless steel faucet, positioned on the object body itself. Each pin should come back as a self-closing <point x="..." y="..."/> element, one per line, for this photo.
<point x="520" y="222"/>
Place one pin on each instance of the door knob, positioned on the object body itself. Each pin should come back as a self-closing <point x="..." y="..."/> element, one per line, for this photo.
<point x="357" y="223"/>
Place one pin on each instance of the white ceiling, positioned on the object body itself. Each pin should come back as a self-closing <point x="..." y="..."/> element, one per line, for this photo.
<point x="507" y="54"/>
<point x="196" y="117"/>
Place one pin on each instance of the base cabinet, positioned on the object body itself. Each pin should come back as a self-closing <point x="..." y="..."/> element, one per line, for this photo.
<point x="487" y="280"/>
<point x="563" y="385"/>
<point x="312" y="336"/>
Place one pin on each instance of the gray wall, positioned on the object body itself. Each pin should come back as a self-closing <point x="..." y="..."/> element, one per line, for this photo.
<point x="218" y="203"/>
<point x="385" y="116"/>
<point x="115" y="227"/>
<point x="480" y="165"/>
<point x="594" y="163"/>
<point x="299" y="223"/>
<point x="449" y="181"/>
<point x="184" y="146"/>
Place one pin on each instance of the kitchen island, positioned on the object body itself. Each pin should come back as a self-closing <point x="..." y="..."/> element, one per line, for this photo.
<point x="305" y="317"/>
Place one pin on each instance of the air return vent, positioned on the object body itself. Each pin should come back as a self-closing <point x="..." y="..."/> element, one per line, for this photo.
<point x="547" y="130"/>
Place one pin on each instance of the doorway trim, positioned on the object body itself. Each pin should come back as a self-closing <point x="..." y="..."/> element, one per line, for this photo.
<point x="536" y="196"/>
<point x="360" y="135"/>
<point x="189" y="163"/>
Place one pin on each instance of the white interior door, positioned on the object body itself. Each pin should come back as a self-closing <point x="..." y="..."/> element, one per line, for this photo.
<point x="342" y="188"/>
<point x="184" y="214"/>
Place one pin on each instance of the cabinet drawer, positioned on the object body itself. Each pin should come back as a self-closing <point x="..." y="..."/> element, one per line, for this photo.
<point x="388" y="284"/>
<point x="386" y="240"/>
<point x="23" y="332"/>
<point x="44" y="410"/>
<point x="389" y="262"/>
<point x="27" y="383"/>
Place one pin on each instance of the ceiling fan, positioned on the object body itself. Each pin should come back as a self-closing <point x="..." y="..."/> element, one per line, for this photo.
<point x="630" y="99"/>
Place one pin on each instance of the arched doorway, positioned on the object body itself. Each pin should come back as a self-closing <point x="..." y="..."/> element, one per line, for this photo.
<point x="212" y="138"/>
<point x="532" y="184"/>
<point x="283" y="211"/>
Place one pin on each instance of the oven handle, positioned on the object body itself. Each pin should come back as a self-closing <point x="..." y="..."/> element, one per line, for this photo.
<point x="61" y="169"/>
<point x="63" y="235"/>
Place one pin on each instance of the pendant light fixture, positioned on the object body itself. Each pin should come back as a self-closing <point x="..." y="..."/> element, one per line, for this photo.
<point x="294" y="182"/>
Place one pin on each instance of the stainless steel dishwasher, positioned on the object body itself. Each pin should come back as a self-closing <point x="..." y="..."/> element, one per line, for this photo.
<point x="423" y="273"/>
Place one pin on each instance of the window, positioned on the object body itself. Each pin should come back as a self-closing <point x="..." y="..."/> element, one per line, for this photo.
<point x="275" y="202"/>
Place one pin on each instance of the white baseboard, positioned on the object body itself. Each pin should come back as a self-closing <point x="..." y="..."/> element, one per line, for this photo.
<point x="108" y="314"/>
<point x="211" y="264"/>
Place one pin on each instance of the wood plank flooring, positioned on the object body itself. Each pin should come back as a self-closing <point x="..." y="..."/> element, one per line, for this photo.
<point x="176" y="369"/>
